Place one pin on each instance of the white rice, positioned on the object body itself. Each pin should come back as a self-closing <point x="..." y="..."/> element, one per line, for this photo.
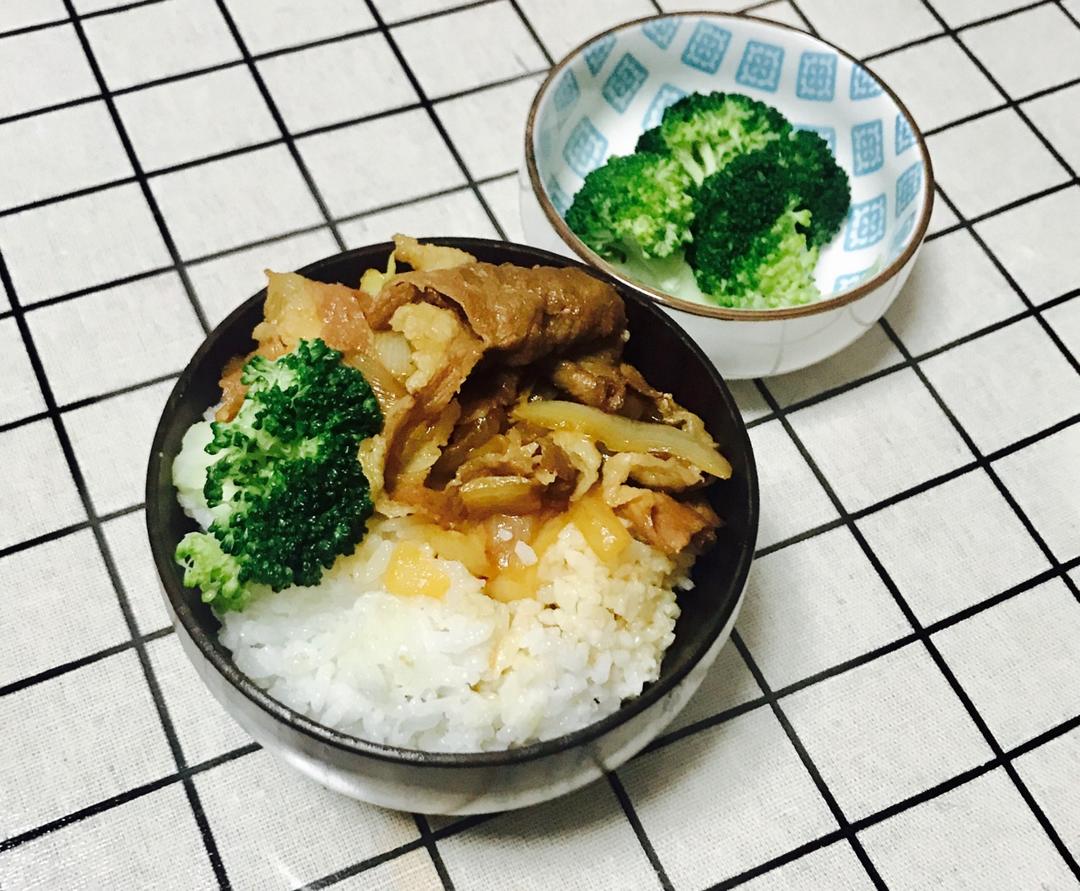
<point x="462" y="672"/>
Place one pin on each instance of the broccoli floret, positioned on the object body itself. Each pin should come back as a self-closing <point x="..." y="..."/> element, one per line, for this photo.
<point x="762" y="219"/>
<point x="820" y="183"/>
<point x="749" y="249"/>
<point x="288" y="475"/>
<point x="651" y="141"/>
<point x="704" y="132"/>
<point x="744" y="222"/>
<point x="634" y="207"/>
<point x="215" y="573"/>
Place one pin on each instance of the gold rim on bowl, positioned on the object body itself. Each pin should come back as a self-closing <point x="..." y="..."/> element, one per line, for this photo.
<point x="722" y="312"/>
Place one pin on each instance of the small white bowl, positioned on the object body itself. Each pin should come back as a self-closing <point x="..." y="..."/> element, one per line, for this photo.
<point x="604" y="94"/>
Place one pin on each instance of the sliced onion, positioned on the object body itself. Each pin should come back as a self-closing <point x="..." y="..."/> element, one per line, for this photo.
<point x="621" y="434"/>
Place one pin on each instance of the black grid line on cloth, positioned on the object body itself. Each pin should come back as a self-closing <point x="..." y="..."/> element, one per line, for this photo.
<point x="93" y="14"/>
<point x="95" y="526"/>
<point x="258" y="242"/>
<point x="924" y="486"/>
<point x="879" y="568"/>
<point x="54" y="534"/>
<point x="920" y="632"/>
<point x="283" y="140"/>
<point x="1067" y="12"/>
<point x="136" y="165"/>
<point x="937" y="35"/>
<point x="433" y="851"/>
<point x="1033" y="310"/>
<point x="463" y="824"/>
<point x="801" y="14"/>
<point x="844" y="387"/>
<point x="808" y="763"/>
<point x="279" y="121"/>
<point x="762" y="5"/>
<point x="787" y="858"/>
<point x="436" y="122"/>
<point x="865" y="658"/>
<point x="1009" y="101"/>
<point x="532" y="32"/>
<point x="356" y="869"/>
<point x="993" y="109"/>
<point x="87" y="401"/>
<point x="58" y="670"/>
<point x="932" y="628"/>
<point x="1011" y="205"/>
<point x="181" y="776"/>
<point x="298" y="134"/>
<point x="220" y="66"/>
<point x="899" y="807"/>
<point x="639" y="831"/>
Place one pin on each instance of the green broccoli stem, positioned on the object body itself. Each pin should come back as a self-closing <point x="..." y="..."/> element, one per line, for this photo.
<point x="208" y="568"/>
<point x="710" y="158"/>
<point x="672" y="274"/>
<point x="691" y="165"/>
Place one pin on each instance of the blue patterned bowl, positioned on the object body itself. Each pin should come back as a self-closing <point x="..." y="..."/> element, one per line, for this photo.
<point x="603" y="95"/>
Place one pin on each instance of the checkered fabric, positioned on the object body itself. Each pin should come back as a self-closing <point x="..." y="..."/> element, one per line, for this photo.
<point x="900" y="704"/>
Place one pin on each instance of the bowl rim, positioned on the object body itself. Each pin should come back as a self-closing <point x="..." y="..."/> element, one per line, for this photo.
<point x="221" y="660"/>
<point x="593" y="259"/>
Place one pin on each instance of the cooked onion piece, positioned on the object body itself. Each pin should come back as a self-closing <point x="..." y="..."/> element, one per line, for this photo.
<point x="394" y="352"/>
<point x="620" y="434"/>
<point x="412" y="571"/>
<point x="466" y="548"/>
<point x="501" y="495"/>
<point x="387" y="387"/>
<point x="601" y="528"/>
<point x="583" y="455"/>
<point x="455" y="350"/>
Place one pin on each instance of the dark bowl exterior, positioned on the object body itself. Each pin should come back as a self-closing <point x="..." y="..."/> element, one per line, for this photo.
<point x="470" y="782"/>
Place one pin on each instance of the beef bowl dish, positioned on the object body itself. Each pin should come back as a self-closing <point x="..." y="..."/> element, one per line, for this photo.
<point x="451" y="526"/>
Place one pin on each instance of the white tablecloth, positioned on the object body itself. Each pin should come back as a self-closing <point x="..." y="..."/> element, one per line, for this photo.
<point x="900" y="705"/>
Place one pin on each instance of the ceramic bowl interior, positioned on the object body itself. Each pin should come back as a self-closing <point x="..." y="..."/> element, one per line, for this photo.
<point x="659" y="348"/>
<point x="611" y="89"/>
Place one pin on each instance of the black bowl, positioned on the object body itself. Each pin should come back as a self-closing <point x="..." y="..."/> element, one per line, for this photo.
<point x="476" y="781"/>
